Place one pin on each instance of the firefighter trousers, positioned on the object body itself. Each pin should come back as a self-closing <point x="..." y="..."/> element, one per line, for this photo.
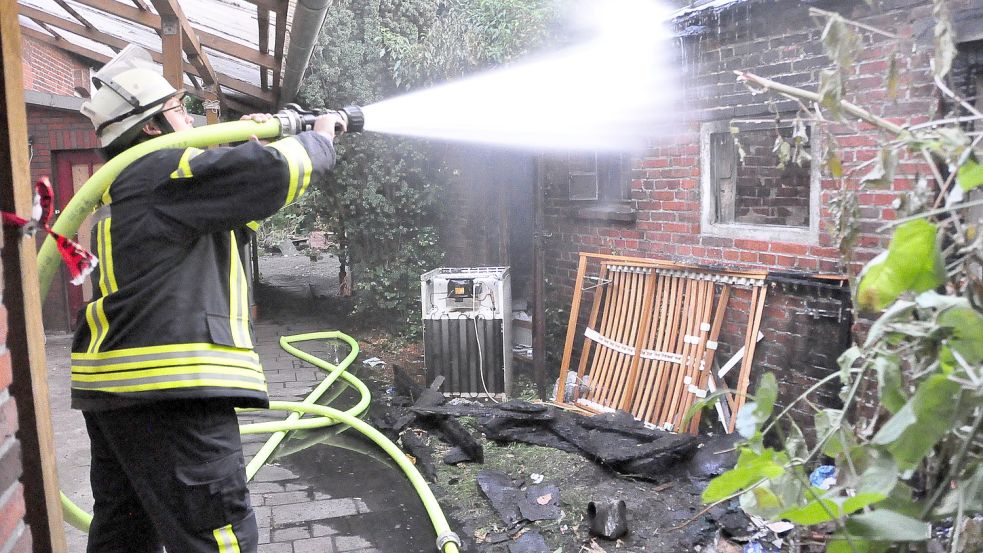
<point x="169" y="474"/>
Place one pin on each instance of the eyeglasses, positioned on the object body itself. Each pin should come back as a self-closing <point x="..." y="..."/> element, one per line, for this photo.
<point x="179" y="109"/>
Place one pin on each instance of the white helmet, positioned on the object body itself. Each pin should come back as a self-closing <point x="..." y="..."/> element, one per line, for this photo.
<point x="129" y="91"/>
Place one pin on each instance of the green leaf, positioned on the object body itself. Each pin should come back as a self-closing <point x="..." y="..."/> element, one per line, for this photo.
<point x="966" y="325"/>
<point x="889" y="383"/>
<point x="747" y="421"/>
<point x="846" y="361"/>
<point x="838" y="544"/>
<point x="885" y="525"/>
<point x="831" y="91"/>
<point x="830" y="422"/>
<point x="914" y="430"/>
<point x="814" y="512"/>
<point x="881" y="477"/>
<point x="764" y="396"/>
<point x="751" y="467"/>
<point x="912" y="262"/>
<point x="970" y="175"/>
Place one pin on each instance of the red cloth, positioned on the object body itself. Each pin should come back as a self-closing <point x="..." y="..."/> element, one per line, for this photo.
<point x="80" y="261"/>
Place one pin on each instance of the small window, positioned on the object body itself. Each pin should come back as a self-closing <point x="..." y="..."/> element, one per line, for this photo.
<point x="759" y="180"/>
<point x="599" y="176"/>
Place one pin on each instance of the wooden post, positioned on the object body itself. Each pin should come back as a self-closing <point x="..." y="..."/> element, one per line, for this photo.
<point x="539" y="291"/>
<point x="171" y="38"/>
<point x="21" y="296"/>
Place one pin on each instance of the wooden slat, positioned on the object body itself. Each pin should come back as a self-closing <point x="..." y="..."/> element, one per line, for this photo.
<point x="571" y="326"/>
<point x="626" y="336"/>
<point x="673" y="375"/>
<point x="641" y="340"/>
<point x="668" y="344"/>
<point x="588" y="347"/>
<point x="697" y="353"/>
<point x="609" y="321"/>
<point x="706" y="365"/>
<point x="22" y="298"/>
<point x="74" y="13"/>
<point x="695" y="302"/>
<point x="647" y="371"/>
<point x="752" y="335"/>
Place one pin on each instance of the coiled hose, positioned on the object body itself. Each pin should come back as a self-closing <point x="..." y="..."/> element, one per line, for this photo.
<point x="84" y="203"/>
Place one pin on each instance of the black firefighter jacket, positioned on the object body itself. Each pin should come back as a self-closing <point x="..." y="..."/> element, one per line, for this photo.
<point x="170" y="316"/>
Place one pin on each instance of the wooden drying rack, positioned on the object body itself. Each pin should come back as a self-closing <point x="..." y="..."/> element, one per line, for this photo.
<point x="651" y="336"/>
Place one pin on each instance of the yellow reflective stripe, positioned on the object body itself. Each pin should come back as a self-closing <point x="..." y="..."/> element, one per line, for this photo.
<point x="226" y="540"/>
<point x="180" y="384"/>
<point x="238" y="297"/>
<point x="183" y="170"/>
<point x="191" y="348"/>
<point x="299" y="163"/>
<point x="95" y="315"/>
<point x="187" y="370"/>
<point x="104" y="241"/>
<point x="83" y="368"/>
<point x="103" y="322"/>
<point x="253" y="225"/>
<point x="93" y="327"/>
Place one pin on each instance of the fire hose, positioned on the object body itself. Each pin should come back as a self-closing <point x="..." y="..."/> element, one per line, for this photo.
<point x="285" y="123"/>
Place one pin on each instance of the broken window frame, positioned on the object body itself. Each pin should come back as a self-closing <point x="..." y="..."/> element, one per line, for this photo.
<point x="710" y="225"/>
<point x="610" y="175"/>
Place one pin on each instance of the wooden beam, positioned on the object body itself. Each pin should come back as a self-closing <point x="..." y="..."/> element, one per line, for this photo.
<point x="263" y="19"/>
<point x="215" y="42"/>
<point x="172" y="15"/>
<point x="172" y="37"/>
<point x="142" y="5"/>
<point x="45" y="26"/>
<point x="249" y="89"/>
<point x="271" y="5"/>
<point x="22" y="298"/>
<point x="279" y="40"/>
<point x="72" y="12"/>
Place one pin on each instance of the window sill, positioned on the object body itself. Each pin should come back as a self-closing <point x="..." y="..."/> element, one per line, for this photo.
<point x="620" y="213"/>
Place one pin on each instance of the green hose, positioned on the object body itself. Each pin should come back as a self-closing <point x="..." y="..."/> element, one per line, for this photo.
<point x="84" y="203"/>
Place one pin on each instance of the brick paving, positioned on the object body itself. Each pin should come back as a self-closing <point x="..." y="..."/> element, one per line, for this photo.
<point x="320" y="500"/>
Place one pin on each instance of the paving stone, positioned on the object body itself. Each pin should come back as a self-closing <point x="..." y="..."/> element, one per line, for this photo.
<point x="350" y="543"/>
<point x="315" y="545"/>
<point x="292" y="533"/>
<point x="321" y="529"/>
<point x="286" y="498"/>
<point x="264" y="535"/>
<point x="315" y="510"/>
<point x="361" y="506"/>
<point x="275" y="548"/>
<point x="265" y="487"/>
<point x="271" y="473"/>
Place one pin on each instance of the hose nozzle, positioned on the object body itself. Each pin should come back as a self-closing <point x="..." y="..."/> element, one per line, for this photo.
<point x="295" y="119"/>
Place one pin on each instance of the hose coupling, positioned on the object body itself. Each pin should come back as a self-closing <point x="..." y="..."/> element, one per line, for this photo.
<point x="448" y="537"/>
<point x="295" y="119"/>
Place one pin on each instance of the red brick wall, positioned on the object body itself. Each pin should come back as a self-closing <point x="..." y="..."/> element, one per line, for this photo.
<point x="14" y="535"/>
<point x="52" y="70"/>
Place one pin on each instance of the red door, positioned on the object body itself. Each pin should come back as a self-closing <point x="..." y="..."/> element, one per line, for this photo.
<point x="72" y="169"/>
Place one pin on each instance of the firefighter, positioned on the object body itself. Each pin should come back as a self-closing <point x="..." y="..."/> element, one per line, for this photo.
<point x="164" y="352"/>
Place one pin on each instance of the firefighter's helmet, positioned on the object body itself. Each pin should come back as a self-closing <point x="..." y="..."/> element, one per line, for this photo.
<point x="129" y="91"/>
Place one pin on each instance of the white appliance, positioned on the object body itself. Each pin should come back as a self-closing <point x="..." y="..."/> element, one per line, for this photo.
<point x="467" y="329"/>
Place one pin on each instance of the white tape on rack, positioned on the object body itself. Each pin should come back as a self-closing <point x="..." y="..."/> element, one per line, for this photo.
<point x="705" y="327"/>
<point x="689" y="339"/>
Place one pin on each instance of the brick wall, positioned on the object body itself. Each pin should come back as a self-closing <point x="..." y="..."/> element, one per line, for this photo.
<point x="14" y="534"/>
<point x="52" y="70"/>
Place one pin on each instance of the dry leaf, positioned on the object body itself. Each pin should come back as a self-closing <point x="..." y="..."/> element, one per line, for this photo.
<point x="544" y="499"/>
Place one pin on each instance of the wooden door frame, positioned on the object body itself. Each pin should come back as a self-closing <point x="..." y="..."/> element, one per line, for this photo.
<point x="21" y="296"/>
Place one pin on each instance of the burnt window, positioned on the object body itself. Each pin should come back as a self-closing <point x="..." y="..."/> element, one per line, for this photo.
<point x="599" y="176"/>
<point x="759" y="180"/>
